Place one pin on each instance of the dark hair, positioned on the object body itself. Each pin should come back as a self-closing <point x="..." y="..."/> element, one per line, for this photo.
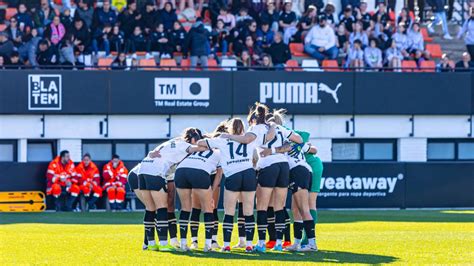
<point x="115" y="156"/>
<point x="86" y="155"/>
<point x="375" y="40"/>
<point x="191" y="133"/>
<point x="236" y="126"/>
<point x="359" y="42"/>
<point x="258" y="113"/>
<point x="63" y="153"/>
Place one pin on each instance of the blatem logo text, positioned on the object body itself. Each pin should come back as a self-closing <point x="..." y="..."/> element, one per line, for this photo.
<point x="350" y="186"/>
<point x="296" y="92"/>
<point x="44" y="92"/>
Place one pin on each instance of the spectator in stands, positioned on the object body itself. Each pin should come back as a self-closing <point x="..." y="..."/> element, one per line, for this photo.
<point x="197" y="43"/>
<point x="178" y="36"/>
<point x="100" y="39"/>
<point x="243" y="17"/>
<point x="359" y="34"/>
<point x="215" y="9"/>
<point x="405" y="18"/>
<point x="354" y="3"/>
<point x="227" y="18"/>
<point x="373" y="55"/>
<point x="120" y="62"/>
<point x="355" y="56"/>
<point x="382" y="20"/>
<point x="249" y="30"/>
<point x="14" y="33"/>
<point x="66" y="51"/>
<point x="440" y="16"/>
<point x="306" y="22"/>
<point x="85" y="12"/>
<point x="82" y="36"/>
<point x="129" y="18"/>
<point x="160" y="42"/>
<point x="320" y="42"/>
<point x="419" y="58"/>
<point x="401" y="39"/>
<point x="342" y="40"/>
<point x="67" y="20"/>
<point x="23" y="17"/>
<point x="115" y="177"/>
<point x="279" y="51"/>
<point x="45" y="55"/>
<point x="87" y="176"/>
<point x="265" y="36"/>
<point x="266" y="63"/>
<point x="465" y="64"/>
<point x="150" y="18"/>
<point x="270" y="16"/>
<point x="330" y="12"/>
<point x="219" y="39"/>
<point x="55" y="32"/>
<point x="347" y="19"/>
<point x="15" y="61"/>
<point x="58" y="181"/>
<point x="445" y="65"/>
<point x="363" y="16"/>
<point x="168" y="16"/>
<point x="104" y="15"/>
<point x="137" y="42"/>
<point x="43" y="16"/>
<point x="288" y="22"/>
<point x="415" y="39"/>
<point x="2" y="62"/>
<point x="254" y="51"/>
<point x="116" y="39"/>
<point x="6" y="45"/>
<point x="394" y="57"/>
<point x="467" y="31"/>
<point x="244" y="61"/>
<point x="28" y="50"/>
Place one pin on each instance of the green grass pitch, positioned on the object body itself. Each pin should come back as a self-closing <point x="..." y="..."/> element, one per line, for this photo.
<point x="351" y="237"/>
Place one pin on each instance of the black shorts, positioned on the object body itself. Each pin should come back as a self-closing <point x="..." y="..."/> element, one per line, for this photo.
<point x="189" y="178"/>
<point x="242" y="181"/>
<point x="275" y="175"/>
<point x="132" y="181"/>
<point x="300" y="178"/>
<point x="150" y="182"/>
<point x="213" y="177"/>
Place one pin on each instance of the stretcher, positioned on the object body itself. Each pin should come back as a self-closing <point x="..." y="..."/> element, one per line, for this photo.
<point x="22" y="201"/>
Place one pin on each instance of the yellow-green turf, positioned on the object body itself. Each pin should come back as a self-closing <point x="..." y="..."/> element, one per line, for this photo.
<point x="352" y="237"/>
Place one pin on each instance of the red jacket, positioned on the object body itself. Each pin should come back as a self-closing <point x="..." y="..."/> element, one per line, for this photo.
<point x="89" y="174"/>
<point x="114" y="176"/>
<point x="56" y="170"/>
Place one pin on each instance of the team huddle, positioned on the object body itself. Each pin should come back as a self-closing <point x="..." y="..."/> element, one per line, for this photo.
<point x="259" y="166"/>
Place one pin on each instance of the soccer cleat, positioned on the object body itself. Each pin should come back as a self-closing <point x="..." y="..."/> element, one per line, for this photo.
<point x="277" y="248"/>
<point x="286" y="244"/>
<point x="167" y="248"/>
<point x="174" y="242"/>
<point x="215" y="245"/>
<point x="308" y="248"/>
<point x="225" y="249"/>
<point x="153" y="248"/>
<point x="207" y="248"/>
<point x="249" y="249"/>
<point x="183" y="248"/>
<point x="144" y="247"/>
<point x="293" y="247"/>
<point x="270" y="244"/>
<point x="261" y="249"/>
<point x="194" y="245"/>
<point x="240" y="245"/>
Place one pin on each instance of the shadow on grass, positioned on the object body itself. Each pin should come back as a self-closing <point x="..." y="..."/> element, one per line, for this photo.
<point x="135" y="218"/>
<point x="324" y="256"/>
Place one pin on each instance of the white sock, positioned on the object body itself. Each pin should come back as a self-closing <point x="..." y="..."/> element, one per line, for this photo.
<point x="278" y="242"/>
<point x="184" y="242"/>
<point x="249" y="243"/>
<point x="173" y="240"/>
<point x="194" y="239"/>
<point x="208" y="242"/>
<point x="261" y="243"/>
<point x="312" y="241"/>
<point x="214" y="237"/>
<point x="297" y="241"/>
<point x="241" y="239"/>
<point x="163" y="242"/>
<point x="226" y="244"/>
<point x="151" y="243"/>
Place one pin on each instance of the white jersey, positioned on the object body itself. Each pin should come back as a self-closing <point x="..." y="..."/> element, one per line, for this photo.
<point x="172" y="152"/>
<point x="281" y="136"/>
<point x="170" y="174"/>
<point x="135" y="169"/>
<point x="204" y="160"/>
<point x="297" y="158"/>
<point x="235" y="156"/>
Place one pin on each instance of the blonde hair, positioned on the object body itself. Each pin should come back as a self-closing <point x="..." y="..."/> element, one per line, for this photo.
<point x="235" y="126"/>
<point x="279" y="116"/>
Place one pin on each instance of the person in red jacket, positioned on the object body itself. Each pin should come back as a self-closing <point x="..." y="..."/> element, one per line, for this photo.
<point x="115" y="177"/>
<point x="87" y="176"/>
<point x="59" y="181"/>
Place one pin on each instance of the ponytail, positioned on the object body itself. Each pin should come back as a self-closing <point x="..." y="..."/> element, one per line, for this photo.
<point x="258" y="113"/>
<point x="191" y="133"/>
<point x="236" y="126"/>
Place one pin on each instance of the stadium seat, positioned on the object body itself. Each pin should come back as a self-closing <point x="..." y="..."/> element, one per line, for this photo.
<point x="409" y="66"/>
<point x="292" y="65"/>
<point x="426" y="36"/>
<point x="434" y="49"/>
<point x="104" y="63"/>
<point x="10" y="12"/>
<point x="428" y="66"/>
<point x="185" y="64"/>
<point x="168" y="64"/>
<point x="331" y="65"/>
<point x="229" y="64"/>
<point x="148" y="64"/>
<point x="212" y="64"/>
<point x="297" y="49"/>
<point x="311" y="65"/>
<point x="3" y="27"/>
